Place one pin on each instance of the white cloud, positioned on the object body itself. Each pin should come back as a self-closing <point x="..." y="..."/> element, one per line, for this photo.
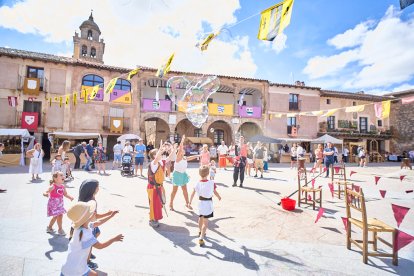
<point x="277" y="45"/>
<point x="403" y="87"/>
<point x="383" y="58"/>
<point x="142" y="32"/>
<point x="352" y="37"/>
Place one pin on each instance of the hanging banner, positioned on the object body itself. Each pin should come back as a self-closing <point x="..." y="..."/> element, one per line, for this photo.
<point x="274" y="20"/>
<point x="117" y="125"/>
<point x="382" y="109"/>
<point x="96" y="91"/>
<point x="30" y="120"/>
<point x="357" y="108"/>
<point x="31" y="86"/>
<point x="12" y="101"/>
<point x="407" y="100"/>
<point x="121" y="96"/>
<point x="111" y="85"/>
<point x="133" y="73"/>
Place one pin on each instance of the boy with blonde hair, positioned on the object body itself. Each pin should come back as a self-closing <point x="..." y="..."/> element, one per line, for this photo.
<point x="205" y="189"/>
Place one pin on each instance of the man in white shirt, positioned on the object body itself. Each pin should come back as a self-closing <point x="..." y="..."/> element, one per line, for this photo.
<point x="222" y="151"/>
<point x="117" y="154"/>
<point x="345" y="154"/>
<point x="128" y="148"/>
<point x="335" y="155"/>
<point x="300" y="151"/>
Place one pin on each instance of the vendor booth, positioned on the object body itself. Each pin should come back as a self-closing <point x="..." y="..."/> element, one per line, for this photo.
<point x="284" y="157"/>
<point x="193" y="144"/>
<point x="56" y="139"/>
<point x="128" y="137"/>
<point x="15" y="143"/>
<point x="267" y="140"/>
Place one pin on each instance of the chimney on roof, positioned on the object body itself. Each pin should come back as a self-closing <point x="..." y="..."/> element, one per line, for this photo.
<point x="299" y="83"/>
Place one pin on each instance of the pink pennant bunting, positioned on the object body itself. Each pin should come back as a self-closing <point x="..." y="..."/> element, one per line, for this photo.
<point x="383" y="192"/>
<point x="331" y="188"/>
<point x="349" y="199"/>
<point x="325" y="169"/>
<point x="377" y="178"/>
<point x="402" y="177"/>
<point x="313" y="183"/>
<point x="356" y="188"/>
<point x="351" y="173"/>
<point x="409" y="191"/>
<point x="399" y="213"/>
<point x="337" y="169"/>
<point x="309" y="197"/>
<point x="345" y="222"/>
<point x="320" y="186"/>
<point x="312" y="170"/>
<point x="403" y="239"/>
<point x="320" y="214"/>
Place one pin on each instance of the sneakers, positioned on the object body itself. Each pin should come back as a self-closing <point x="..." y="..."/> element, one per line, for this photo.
<point x="154" y="223"/>
<point x="92" y="265"/>
<point x="61" y="232"/>
<point x="50" y="230"/>
<point x="241" y="185"/>
<point x="201" y="242"/>
<point x="261" y="176"/>
<point x="255" y="175"/>
<point x="234" y="184"/>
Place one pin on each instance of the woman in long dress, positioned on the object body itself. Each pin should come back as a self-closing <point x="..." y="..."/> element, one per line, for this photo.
<point x="36" y="161"/>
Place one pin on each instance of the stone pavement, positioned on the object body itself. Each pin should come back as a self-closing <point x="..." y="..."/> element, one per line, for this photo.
<point x="249" y="234"/>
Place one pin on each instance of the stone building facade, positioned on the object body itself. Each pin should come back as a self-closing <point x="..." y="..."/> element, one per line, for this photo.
<point x="402" y="122"/>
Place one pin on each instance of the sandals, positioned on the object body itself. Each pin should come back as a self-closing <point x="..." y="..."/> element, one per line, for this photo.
<point x="172" y="208"/>
<point x="189" y="207"/>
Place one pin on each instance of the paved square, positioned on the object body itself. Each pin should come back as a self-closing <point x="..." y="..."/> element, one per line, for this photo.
<point x="249" y="234"/>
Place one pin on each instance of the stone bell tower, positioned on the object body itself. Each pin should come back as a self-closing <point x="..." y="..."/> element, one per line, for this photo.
<point x="88" y="47"/>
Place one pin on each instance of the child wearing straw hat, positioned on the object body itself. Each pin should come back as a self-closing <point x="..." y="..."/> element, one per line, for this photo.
<point x="83" y="239"/>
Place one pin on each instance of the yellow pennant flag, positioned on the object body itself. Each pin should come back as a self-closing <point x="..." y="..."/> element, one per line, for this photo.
<point x="274" y="20"/>
<point x="111" y="86"/>
<point x="382" y="109"/>
<point x="133" y="73"/>
<point x="330" y="112"/>
<point x="56" y="99"/>
<point x="60" y="101"/>
<point x="357" y="108"/>
<point x="67" y="99"/>
<point x="317" y="113"/>
<point x="50" y="101"/>
<point x="204" y="44"/>
<point x="289" y="115"/>
<point x="94" y="92"/>
<point x="163" y="70"/>
<point x="75" y="98"/>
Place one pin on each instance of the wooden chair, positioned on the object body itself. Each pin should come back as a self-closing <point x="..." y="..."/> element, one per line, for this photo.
<point x="341" y="173"/>
<point x="341" y="185"/>
<point x="356" y="201"/>
<point x="316" y="192"/>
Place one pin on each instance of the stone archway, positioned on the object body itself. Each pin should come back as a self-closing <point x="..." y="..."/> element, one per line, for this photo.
<point x="185" y="127"/>
<point x="250" y="129"/>
<point x="156" y="129"/>
<point x="222" y="131"/>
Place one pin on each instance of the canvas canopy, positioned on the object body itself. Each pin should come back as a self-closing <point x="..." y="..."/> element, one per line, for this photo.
<point x="126" y="137"/>
<point x="75" y="135"/>
<point x="265" y="139"/>
<point x="200" y="140"/>
<point x="327" y="139"/>
<point x="24" y="133"/>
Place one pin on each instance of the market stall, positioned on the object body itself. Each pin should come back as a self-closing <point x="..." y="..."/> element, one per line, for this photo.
<point x="284" y="157"/>
<point x="56" y="139"/>
<point x="266" y="140"/>
<point x="15" y="142"/>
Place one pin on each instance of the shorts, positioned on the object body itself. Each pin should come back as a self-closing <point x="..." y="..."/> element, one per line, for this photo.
<point x="207" y="216"/>
<point x="293" y="158"/>
<point x="117" y="157"/>
<point x="259" y="163"/>
<point x="139" y="161"/>
<point x="249" y="161"/>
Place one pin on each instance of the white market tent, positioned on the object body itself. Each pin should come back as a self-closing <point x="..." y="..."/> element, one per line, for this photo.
<point x="24" y="133"/>
<point x="14" y="132"/>
<point x="128" y="137"/>
<point x="327" y="139"/>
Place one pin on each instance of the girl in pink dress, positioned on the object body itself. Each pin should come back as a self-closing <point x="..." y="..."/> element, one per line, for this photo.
<point x="55" y="207"/>
<point x="205" y="156"/>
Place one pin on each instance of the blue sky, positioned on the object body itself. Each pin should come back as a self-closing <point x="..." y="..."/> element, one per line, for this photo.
<point x="348" y="45"/>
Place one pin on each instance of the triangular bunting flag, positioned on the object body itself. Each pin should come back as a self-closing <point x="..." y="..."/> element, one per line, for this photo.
<point x="325" y="169"/>
<point x="356" y="188"/>
<point x="313" y="183"/>
<point x="409" y="191"/>
<point x="351" y="173"/>
<point x="111" y="85"/>
<point x="377" y="178"/>
<point x="345" y="222"/>
<point x="331" y="188"/>
<point x="402" y="177"/>
<point x="67" y="100"/>
<point x="60" y="101"/>
<point x="403" y="239"/>
<point x="382" y="192"/>
<point x="337" y="169"/>
<point x="399" y="213"/>
<point x="309" y="197"/>
<point x="132" y="73"/>
<point x="75" y="98"/>
<point x="320" y="214"/>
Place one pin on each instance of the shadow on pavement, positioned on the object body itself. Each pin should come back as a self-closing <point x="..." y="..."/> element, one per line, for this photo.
<point x="59" y="244"/>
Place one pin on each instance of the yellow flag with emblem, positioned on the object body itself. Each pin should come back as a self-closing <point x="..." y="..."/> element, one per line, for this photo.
<point x="386" y="107"/>
<point x="133" y="73"/>
<point x="94" y="92"/>
<point x="274" y="20"/>
<point x="67" y="99"/>
<point x="111" y="85"/>
<point x="163" y="70"/>
<point x="75" y="98"/>
<point x="204" y="44"/>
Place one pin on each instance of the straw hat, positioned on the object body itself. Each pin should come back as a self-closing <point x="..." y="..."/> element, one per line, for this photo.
<point x="81" y="212"/>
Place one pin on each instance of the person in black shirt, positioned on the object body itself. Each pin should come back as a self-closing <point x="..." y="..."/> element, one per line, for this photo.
<point x="150" y="147"/>
<point x="77" y="151"/>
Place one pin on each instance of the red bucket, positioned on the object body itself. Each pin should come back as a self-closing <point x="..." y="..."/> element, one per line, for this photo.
<point x="288" y="204"/>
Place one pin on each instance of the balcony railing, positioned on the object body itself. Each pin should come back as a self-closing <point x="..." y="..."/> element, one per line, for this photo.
<point x="250" y="111"/>
<point x="158" y="106"/>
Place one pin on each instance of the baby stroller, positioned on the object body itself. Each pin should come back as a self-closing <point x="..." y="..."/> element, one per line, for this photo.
<point x="127" y="167"/>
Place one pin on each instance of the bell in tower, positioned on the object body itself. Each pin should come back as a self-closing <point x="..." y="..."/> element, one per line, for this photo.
<point x="88" y="46"/>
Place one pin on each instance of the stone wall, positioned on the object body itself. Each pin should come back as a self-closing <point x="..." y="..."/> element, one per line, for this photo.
<point x="402" y="126"/>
